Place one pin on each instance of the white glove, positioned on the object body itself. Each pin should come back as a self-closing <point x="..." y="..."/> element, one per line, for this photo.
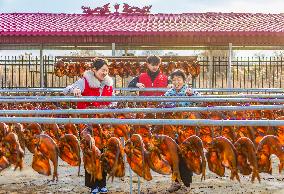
<point x="189" y="92"/>
<point x="140" y="85"/>
<point x="77" y="92"/>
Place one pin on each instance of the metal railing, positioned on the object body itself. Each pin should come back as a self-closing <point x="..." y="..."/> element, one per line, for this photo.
<point x="114" y="121"/>
<point x="136" y="99"/>
<point x="142" y="110"/>
<point x="247" y="72"/>
<point x="207" y="90"/>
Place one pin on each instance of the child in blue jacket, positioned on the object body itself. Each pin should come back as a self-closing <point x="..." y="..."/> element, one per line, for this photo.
<point x="180" y="88"/>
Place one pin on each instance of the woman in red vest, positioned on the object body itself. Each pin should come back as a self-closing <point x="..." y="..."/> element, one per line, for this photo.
<point x="95" y="82"/>
<point x="153" y="78"/>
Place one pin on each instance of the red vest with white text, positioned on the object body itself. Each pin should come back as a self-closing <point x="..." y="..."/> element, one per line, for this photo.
<point x="88" y="91"/>
<point x="161" y="81"/>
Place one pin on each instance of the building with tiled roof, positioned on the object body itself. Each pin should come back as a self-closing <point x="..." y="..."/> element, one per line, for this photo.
<point x="135" y="30"/>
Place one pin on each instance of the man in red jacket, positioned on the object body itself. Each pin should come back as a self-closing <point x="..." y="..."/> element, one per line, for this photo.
<point x="153" y="78"/>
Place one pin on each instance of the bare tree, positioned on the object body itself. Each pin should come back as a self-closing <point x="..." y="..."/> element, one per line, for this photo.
<point x="85" y="53"/>
<point x="278" y="53"/>
<point x="171" y="53"/>
<point x="217" y="53"/>
<point x="122" y="53"/>
<point x="152" y="52"/>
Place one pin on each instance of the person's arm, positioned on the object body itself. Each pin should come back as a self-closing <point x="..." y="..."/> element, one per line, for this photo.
<point x="170" y="92"/>
<point x="133" y="82"/>
<point x="79" y="84"/>
<point x="190" y="92"/>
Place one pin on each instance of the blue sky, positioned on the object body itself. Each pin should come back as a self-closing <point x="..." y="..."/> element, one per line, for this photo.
<point x="158" y="6"/>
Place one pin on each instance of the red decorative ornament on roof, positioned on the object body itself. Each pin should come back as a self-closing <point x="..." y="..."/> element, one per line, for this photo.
<point x="127" y="9"/>
<point x="136" y="10"/>
<point x="98" y="10"/>
<point x="116" y="7"/>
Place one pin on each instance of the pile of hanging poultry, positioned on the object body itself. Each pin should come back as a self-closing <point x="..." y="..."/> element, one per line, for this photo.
<point x="125" y="68"/>
<point x="160" y="148"/>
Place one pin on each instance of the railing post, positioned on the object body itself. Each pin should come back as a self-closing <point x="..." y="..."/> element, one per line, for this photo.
<point x="41" y="68"/>
<point x="229" y="72"/>
<point x="113" y="54"/>
<point x="210" y="68"/>
<point x="113" y="49"/>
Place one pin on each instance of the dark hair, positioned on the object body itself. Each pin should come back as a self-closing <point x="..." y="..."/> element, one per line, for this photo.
<point x="153" y="60"/>
<point x="178" y="72"/>
<point x="98" y="63"/>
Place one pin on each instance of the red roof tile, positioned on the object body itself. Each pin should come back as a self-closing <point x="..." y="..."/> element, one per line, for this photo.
<point x="33" y="24"/>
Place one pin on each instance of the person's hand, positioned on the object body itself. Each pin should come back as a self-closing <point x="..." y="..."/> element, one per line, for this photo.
<point x="170" y="86"/>
<point x="140" y="85"/>
<point x="189" y="92"/>
<point x="77" y="92"/>
<point x="102" y="106"/>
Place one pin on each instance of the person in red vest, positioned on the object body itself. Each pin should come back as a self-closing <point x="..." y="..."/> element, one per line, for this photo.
<point x="153" y="78"/>
<point x="95" y="82"/>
